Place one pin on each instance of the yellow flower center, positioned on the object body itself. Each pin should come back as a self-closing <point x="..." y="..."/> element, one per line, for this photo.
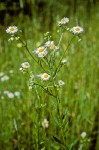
<point x="77" y="29"/>
<point x="53" y="47"/>
<point x="44" y="123"/>
<point x="49" y="44"/>
<point x="45" y="75"/>
<point x="41" y="50"/>
<point x="63" y="20"/>
<point x="25" y="64"/>
<point x="11" y="29"/>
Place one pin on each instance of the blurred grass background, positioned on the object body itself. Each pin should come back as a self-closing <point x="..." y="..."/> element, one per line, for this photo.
<point x="81" y="73"/>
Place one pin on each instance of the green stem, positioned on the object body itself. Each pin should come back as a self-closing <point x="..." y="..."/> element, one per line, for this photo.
<point x="46" y="91"/>
<point x="25" y="45"/>
<point x="58" y="67"/>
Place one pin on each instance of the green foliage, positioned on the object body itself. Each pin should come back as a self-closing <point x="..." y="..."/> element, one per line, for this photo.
<point x="22" y="116"/>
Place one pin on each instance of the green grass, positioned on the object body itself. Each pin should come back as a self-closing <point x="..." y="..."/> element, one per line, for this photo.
<point x="79" y="96"/>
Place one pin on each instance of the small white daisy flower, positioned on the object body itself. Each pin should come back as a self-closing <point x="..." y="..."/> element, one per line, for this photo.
<point x="4" y="78"/>
<point x="61" y="83"/>
<point x="83" y="135"/>
<point x="64" y="21"/>
<point x="12" y="29"/>
<point x="77" y="30"/>
<point x="25" y="65"/>
<point x="45" y="123"/>
<point x="53" y="47"/>
<point x="17" y="93"/>
<point x="10" y="95"/>
<point x="49" y="43"/>
<point x="41" y="51"/>
<point x="45" y="76"/>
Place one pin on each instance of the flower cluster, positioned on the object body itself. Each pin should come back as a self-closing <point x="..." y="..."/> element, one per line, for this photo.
<point x="11" y="95"/>
<point x="42" y="51"/>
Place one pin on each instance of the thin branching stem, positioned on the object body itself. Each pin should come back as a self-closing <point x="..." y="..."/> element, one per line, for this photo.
<point x="58" y="67"/>
<point x="25" y="45"/>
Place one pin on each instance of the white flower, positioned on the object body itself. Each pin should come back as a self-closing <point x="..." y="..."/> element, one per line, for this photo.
<point x="25" y="65"/>
<point x="45" y="123"/>
<point x="77" y="30"/>
<point x="64" y="21"/>
<point x="10" y="95"/>
<point x="61" y="83"/>
<point x="17" y="93"/>
<point x="4" y="78"/>
<point x="12" y="29"/>
<point x="83" y="135"/>
<point x="45" y="76"/>
<point x="6" y="92"/>
<point x="41" y="51"/>
<point x="1" y="74"/>
<point x="49" y="43"/>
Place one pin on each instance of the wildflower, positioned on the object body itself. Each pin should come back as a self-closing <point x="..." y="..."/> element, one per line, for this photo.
<point x="12" y="29"/>
<point x="4" y="78"/>
<point x="53" y="47"/>
<point x="64" y="21"/>
<point x="45" y="123"/>
<point x="10" y="95"/>
<point x="25" y="65"/>
<point x="49" y="43"/>
<point x="61" y="83"/>
<point x="83" y="135"/>
<point x="77" y="30"/>
<point x="41" y="51"/>
<point x="17" y="93"/>
<point x="45" y="76"/>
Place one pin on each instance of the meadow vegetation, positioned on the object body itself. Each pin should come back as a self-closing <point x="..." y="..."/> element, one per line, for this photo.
<point x="57" y="110"/>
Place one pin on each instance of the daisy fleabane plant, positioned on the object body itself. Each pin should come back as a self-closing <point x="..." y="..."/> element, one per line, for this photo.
<point x="12" y="29"/>
<point x="50" y="62"/>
